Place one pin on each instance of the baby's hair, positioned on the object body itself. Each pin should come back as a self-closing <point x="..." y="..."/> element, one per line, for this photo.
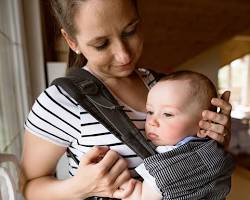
<point x="202" y="88"/>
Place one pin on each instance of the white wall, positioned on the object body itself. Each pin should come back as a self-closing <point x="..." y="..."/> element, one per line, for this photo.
<point x="210" y="61"/>
<point x="207" y="63"/>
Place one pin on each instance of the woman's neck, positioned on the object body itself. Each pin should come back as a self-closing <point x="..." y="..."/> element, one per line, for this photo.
<point x="130" y="90"/>
<point x="110" y="80"/>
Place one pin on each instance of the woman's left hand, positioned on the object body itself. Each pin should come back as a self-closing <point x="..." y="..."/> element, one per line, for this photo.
<point x="217" y="125"/>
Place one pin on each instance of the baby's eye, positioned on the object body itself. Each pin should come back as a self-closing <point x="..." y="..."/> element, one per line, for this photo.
<point x="168" y="114"/>
<point x="150" y="113"/>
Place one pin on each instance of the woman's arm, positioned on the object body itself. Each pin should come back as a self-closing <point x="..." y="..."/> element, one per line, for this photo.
<point x="38" y="165"/>
<point x="218" y="125"/>
<point x="39" y="162"/>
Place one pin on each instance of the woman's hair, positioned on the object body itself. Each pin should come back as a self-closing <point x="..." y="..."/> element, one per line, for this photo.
<point x="64" y="11"/>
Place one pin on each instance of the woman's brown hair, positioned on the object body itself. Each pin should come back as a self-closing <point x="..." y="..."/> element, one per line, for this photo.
<point x="64" y="11"/>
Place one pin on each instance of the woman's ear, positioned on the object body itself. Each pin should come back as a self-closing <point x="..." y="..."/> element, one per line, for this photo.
<point x="71" y="42"/>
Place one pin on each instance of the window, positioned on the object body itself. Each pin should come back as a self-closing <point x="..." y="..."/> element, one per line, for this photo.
<point x="236" y="78"/>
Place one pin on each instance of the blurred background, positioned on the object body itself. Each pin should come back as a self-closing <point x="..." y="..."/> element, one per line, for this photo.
<point x="211" y="37"/>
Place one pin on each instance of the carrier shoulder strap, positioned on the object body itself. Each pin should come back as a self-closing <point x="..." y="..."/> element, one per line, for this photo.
<point x="94" y="97"/>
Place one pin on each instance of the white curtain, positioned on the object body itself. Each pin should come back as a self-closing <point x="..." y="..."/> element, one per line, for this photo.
<point x="13" y="79"/>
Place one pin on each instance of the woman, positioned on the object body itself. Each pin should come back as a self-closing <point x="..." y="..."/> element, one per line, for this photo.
<point x="106" y="39"/>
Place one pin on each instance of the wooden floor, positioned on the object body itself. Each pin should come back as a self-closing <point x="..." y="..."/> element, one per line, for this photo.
<point x="240" y="185"/>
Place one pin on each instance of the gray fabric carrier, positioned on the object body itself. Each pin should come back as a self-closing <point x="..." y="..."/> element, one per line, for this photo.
<point x="200" y="169"/>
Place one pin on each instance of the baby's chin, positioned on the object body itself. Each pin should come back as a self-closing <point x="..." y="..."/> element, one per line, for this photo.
<point x="160" y="143"/>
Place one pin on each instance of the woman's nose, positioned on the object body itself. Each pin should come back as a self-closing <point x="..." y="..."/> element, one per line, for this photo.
<point x="122" y="54"/>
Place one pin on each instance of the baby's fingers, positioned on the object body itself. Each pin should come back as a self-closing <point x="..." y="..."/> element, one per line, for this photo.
<point x="125" y="190"/>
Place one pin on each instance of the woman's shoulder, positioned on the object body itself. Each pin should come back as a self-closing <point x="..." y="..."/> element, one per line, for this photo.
<point x="56" y="94"/>
<point x="56" y="103"/>
<point x="54" y="116"/>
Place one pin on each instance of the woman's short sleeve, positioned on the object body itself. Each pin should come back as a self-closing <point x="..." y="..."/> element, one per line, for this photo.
<point x="55" y="116"/>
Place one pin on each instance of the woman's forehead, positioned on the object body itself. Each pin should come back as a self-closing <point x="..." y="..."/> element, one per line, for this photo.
<point x="99" y="16"/>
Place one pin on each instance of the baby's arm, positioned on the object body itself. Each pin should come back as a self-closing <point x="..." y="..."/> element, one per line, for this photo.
<point x="134" y="189"/>
<point x="148" y="192"/>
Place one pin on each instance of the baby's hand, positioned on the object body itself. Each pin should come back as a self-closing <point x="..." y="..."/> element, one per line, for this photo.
<point x="125" y="190"/>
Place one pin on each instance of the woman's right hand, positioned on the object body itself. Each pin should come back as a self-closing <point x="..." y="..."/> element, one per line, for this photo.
<point x="101" y="171"/>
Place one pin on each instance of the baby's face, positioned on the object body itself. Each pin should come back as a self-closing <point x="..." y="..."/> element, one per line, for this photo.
<point x="172" y="112"/>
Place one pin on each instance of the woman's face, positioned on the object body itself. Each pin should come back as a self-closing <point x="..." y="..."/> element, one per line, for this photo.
<point x="109" y="36"/>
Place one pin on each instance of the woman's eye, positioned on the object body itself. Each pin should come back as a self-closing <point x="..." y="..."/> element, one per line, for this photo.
<point x="129" y="32"/>
<point x="102" y="46"/>
<point x="168" y="114"/>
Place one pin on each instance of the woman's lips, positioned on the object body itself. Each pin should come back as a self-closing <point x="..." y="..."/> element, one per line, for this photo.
<point x="152" y="136"/>
<point x="125" y="66"/>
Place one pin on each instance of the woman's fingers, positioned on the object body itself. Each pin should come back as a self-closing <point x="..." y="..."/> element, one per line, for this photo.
<point x="226" y="96"/>
<point x="225" y="107"/>
<point x="93" y="155"/>
<point x="118" y="173"/>
<point x="223" y="138"/>
<point x="214" y="117"/>
<point x="218" y="137"/>
<point x="217" y="125"/>
<point x="105" y="171"/>
<point x="120" y="166"/>
<point x="107" y="162"/>
<point x="122" y="178"/>
<point x="218" y="128"/>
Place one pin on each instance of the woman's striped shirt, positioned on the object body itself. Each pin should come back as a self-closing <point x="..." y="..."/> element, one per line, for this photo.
<point x="56" y="117"/>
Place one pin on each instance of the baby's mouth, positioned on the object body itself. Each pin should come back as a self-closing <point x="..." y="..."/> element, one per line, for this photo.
<point x="152" y="136"/>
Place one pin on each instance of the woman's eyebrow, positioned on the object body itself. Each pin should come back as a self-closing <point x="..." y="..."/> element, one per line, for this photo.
<point x="133" y="22"/>
<point x="97" y="39"/>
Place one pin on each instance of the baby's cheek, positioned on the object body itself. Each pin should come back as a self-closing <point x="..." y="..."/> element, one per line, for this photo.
<point x="182" y="129"/>
<point x="172" y="133"/>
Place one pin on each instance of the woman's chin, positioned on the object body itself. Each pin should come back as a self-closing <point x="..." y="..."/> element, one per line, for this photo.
<point x="125" y="72"/>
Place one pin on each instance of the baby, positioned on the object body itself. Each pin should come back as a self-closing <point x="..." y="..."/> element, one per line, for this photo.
<point x="187" y="167"/>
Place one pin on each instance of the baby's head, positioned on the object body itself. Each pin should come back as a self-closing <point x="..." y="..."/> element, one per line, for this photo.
<point x="175" y="104"/>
